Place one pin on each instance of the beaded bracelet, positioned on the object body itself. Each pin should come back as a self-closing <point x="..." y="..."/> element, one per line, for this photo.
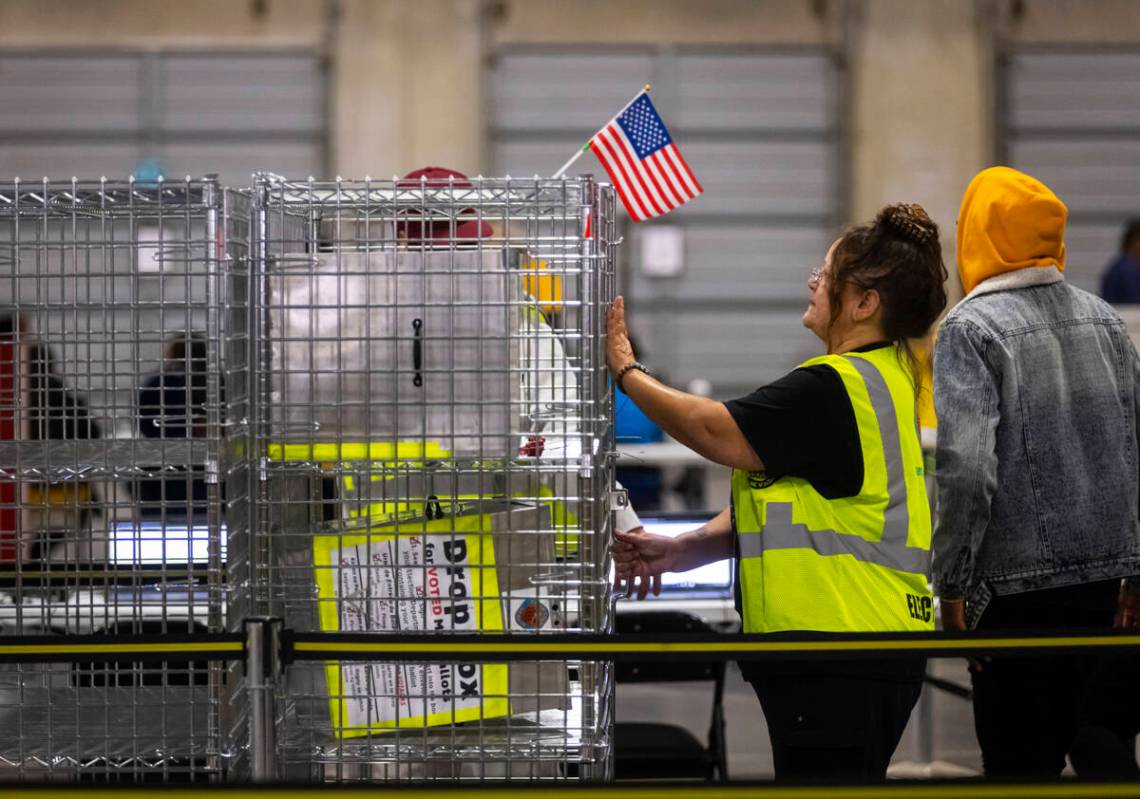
<point x="638" y="365"/>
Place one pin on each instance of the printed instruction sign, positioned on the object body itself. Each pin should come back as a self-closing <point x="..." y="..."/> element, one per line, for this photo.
<point x="440" y="578"/>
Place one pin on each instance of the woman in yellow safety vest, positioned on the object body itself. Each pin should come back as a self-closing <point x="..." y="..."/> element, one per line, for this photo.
<point x="829" y="516"/>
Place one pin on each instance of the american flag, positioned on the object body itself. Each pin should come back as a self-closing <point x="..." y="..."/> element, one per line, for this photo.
<point x="647" y="169"/>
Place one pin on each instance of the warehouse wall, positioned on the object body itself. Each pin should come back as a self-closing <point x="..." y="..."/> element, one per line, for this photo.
<point x="924" y="105"/>
<point x="1069" y="114"/>
<point x="657" y="21"/>
<point x="141" y="23"/>
<point x="1070" y="21"/>
<point x="920" y="106"/>
<point x="406" y="85"/>
<point x="409" y="86"/>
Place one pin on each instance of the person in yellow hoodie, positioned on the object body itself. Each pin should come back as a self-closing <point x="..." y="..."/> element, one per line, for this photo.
<point x="1035" y="388"/>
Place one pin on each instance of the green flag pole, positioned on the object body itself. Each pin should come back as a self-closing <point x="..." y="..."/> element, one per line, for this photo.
<point x="586" y="146"/>
<point x="570" y="163"/>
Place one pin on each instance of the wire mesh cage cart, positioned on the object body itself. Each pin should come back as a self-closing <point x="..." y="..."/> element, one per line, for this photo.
<point x="124" y="371"/>
<point x="433" y="435"/>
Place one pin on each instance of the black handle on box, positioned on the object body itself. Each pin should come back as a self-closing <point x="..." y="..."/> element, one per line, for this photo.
<point x="418" y="352"/>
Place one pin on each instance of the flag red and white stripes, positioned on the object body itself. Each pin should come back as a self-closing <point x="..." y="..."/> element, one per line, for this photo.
<point x="648" y="171"/>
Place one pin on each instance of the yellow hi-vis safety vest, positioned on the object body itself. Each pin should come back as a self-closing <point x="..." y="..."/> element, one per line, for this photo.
<point x="855" y="564"/>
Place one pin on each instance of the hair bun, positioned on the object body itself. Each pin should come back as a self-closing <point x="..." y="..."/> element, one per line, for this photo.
<point x="910" y="221"/>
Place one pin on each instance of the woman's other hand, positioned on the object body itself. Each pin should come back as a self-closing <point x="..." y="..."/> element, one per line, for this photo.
<point x="619" y="351"/>
<point x="640" y="558"/>
<point x="1127" y="609"/>
<point x="954" y="615"/>
<point x="954" y="620"/>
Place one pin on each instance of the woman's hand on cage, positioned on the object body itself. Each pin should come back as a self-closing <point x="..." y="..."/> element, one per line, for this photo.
<point x="619" y="350"/>
<point x="640" y="558"/>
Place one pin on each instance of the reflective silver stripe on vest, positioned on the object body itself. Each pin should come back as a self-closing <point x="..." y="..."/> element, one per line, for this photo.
<point x="891" y="550"/>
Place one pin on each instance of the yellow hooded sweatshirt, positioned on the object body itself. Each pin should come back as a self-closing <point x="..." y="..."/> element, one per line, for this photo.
<point x="1008" y="221"/>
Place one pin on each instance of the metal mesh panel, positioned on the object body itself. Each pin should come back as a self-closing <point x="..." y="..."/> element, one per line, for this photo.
<point x="123" y="399"/>
<point x="433" y="431"/>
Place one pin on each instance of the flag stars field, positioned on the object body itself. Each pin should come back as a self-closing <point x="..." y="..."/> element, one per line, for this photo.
<point x="648" y="171"/>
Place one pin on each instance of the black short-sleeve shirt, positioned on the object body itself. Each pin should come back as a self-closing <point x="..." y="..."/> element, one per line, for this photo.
<point x="803" y="426"/>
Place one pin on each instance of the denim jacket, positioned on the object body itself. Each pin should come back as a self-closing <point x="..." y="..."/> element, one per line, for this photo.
<point x="1035" y="388"/>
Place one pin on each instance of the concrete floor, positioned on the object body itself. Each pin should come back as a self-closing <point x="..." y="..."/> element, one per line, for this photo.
<point x="749" y="753"/>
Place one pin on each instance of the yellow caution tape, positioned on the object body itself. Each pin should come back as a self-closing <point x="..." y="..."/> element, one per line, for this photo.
<point x="601" y="648"/>
<point x="953" y="790"/>
<point x="362" y="451"/>
<point x="120" y="649"/>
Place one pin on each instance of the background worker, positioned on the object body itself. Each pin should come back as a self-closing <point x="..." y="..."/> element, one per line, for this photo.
<point x="829" y="513"/>
<point x="1120" y="283"/>
<point x="172" y="404"/>
<point x="1035" y="386"/>
<point x="58" y="509"/>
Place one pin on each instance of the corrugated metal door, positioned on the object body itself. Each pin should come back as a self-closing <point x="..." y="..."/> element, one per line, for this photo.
<point x="1071" y="117"/>
<point x="760" y="128"/>
<point x="91" y="114"/>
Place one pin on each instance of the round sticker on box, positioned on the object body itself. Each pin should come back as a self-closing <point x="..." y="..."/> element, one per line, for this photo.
<point x="532" y="614"/>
